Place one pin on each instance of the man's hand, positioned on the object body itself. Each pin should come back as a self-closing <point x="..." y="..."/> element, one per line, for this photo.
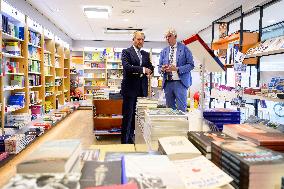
<point x="148" y="71"/>
<point x="172" y="68"/>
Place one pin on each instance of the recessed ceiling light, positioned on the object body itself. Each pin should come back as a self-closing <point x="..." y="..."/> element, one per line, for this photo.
<point x="187" y="21"/>
<point x="125" y="19"/>
<point x="97" y="12"/>
<point x="211" y="2"/>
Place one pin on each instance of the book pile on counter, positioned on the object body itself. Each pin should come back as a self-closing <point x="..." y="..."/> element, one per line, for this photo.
<point x="202" y="140"/>
<point x="221" y="116"/>
<point x="163" y="122"/>
<point x="251" y="166"/>
<point x="20" y="131"/>
<point x="54" y="164"/>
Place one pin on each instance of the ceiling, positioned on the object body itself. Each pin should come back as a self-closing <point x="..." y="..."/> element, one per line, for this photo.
<point x="153" y="16"/>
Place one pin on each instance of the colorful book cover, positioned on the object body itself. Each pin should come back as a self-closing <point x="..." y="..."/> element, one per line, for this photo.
<point x="204" y="139"/>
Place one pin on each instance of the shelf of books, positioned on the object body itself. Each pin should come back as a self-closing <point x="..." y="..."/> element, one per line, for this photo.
<point x="94" y="72"/>
<point x="28" y="69"/>
<point x="59" y="70"/>
<point x="35" y="65"/>
<point x="66" y="70"/>
<point x="102" y="71"/>
<point x="226" y="46"/>
<point x="49" y="70"/>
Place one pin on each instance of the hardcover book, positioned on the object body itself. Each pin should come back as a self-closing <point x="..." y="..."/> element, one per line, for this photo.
<point x="131" y="185"/>
<point x="52" y="157"/>
<point x="177" y="147"/>
<point x="200" y="173"/>
<point x="96" y="173"/>
<point x="204" y="139"/>
<point x="150" y="171"/>
<point x="234" y="129"/>
<point x="264" y="139"/>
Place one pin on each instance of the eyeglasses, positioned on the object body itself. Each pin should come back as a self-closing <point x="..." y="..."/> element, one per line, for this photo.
<point x="168" y="36"/>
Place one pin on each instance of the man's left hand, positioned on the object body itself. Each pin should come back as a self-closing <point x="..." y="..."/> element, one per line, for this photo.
<point x="172" y="68"/>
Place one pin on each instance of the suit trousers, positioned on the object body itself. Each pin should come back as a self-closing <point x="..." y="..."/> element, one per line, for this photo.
<point x="176" y="95"/>
<point x="128" y="120"/>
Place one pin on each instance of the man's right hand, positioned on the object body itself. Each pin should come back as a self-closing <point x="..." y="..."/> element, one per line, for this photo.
<point x="148" y="71"/>
<point x="164" y="67"/>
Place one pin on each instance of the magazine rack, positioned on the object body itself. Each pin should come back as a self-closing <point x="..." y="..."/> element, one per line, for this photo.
<point x="209" y="62"/>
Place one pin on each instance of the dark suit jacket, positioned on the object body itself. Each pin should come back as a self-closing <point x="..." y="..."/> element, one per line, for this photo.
<point x="133" y="85"/>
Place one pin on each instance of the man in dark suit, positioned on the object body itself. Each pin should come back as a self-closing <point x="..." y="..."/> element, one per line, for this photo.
<point x="136" y="70"/>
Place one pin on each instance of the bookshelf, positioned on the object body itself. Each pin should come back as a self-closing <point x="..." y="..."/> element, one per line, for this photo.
<point x="95" y="72"/>
<point x="29" y="66"/>
<point x="49" y="70"/>
<point x="249" y="40"/>
<point x="66" y="69"/>
<point x="59" y="71"/>
<point x="102" y="69"/>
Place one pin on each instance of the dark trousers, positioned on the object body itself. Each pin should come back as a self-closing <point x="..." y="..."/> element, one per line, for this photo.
<point x="128" y="120"/>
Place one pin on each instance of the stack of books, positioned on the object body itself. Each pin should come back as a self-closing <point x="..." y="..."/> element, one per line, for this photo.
<point x="163" y="122"/>
<point x="249" y="165"/>
<point x="221" y="116"/>
<point x="202" y="140"/>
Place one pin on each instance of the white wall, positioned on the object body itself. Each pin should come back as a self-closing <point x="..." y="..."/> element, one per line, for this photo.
<point x="78" y="45"/>
<point x="31" y="12"/>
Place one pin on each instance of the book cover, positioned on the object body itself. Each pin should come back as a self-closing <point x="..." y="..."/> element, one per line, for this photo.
<point x="32" y="181"/>
<point x="251" y="157"/>
<point x="150" y="171"/>
<point x="204" y="139"/>
<point x="96" y="173"/>
<point x="233" y="130"/>
<point x="52" y="157"/>
<point x="264" y="139"/>
<point x="130" y="185"/>
<point x="200" y="173"/>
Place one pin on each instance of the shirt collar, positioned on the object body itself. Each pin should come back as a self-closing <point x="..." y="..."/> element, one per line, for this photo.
<point x="175" y="46"/>
<point x="136" y="49"/>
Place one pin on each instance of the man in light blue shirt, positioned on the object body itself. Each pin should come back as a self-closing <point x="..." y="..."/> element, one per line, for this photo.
<point x="175" y="63"/>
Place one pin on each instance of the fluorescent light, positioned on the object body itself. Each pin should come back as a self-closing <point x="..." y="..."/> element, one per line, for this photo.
<point x="97" y="12"/>
<point x="95" y="49"/>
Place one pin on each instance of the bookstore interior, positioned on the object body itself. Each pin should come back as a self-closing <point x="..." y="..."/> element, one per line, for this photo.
<point x="64" y="65"/>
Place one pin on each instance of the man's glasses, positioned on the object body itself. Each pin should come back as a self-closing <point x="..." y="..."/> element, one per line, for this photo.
<point x="168" y="36"/>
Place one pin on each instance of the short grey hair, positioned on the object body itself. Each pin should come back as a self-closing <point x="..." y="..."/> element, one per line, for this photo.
<point x="171" y="31"/>
<point x="138" y="32"/>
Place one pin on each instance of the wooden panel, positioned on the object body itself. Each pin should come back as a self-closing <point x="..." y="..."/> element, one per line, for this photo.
<point x="107" y="123"/>
<point x="252" y="61"/>
<point x="108" y="106"/>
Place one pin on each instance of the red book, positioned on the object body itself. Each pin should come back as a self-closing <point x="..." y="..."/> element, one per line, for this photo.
<point x="264" y="139"/>
<point x="130" y="185"/>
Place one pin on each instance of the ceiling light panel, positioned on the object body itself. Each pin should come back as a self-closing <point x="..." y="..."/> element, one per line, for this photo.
<point x="98" y="12"/>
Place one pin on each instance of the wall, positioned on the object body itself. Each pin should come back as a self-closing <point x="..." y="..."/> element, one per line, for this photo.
<point x="78" y="45"/>
<point x="27" y="9"/>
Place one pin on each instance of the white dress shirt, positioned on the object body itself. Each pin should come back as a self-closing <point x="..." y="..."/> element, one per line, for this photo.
<point x="175" y="74"/>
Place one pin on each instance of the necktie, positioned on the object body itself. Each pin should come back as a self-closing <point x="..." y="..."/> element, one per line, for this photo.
<point x="170" y="74"/>
<point x="139" y="56"/>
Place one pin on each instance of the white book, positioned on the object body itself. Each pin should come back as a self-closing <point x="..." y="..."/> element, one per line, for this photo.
<point x="200" y="173"/>
<point x="55" y="156"/>
<point x="178" y="147"/>
<point x="152" y="171"/>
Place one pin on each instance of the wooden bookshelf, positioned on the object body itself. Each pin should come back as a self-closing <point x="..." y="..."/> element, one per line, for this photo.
<point x="249" y="40"/>
<point x="66" y="69"/>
